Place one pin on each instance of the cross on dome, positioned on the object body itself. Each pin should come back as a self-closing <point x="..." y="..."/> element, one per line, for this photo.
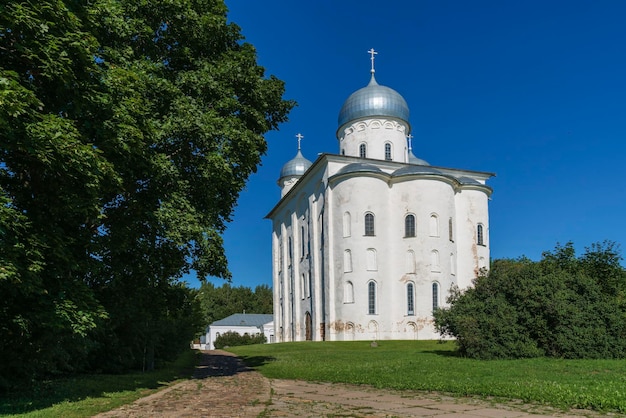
<point x="372" y="53"/>
<point x="299" y="136"/>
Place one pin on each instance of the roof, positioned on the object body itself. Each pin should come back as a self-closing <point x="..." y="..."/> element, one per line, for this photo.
<point x="296" y="166"/>
<point x="244" y="320"/>
<point x="373" y="100"/>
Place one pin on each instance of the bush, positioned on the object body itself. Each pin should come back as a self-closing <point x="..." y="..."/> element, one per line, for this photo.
<point x="233" y="339"/>
<point x="561" y="306"/>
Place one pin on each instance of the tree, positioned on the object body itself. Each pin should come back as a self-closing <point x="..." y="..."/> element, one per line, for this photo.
<point x="220" y="302"/>
<point x="127" y="131"/>
<point x="561" y="306"/>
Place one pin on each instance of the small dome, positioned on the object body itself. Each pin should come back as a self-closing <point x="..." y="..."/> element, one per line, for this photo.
<point x="414" y="160"/>
<point x="415" y="169"/>
<point x="374" y="100"/>
<point x="359" y="168"/>
<point x="296" y="166"/>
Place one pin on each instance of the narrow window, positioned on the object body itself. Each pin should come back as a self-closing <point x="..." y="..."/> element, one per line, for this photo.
<point x="302" y="244"/>
<point x="290" y="251"/>
<point x="343" y="152"/>
<point x="303" y="286"/>
<point x="371" y="260"/>
<point x="434" y="225"/>
<point x="410" y="299"/>
<point x="450" y="234"/>
<point x="409" y="226"/>
<point x="410" y="261"/>
<point x="435" y="296"/>
<point x="307" y="282"/>
<point x="434" y="261"/>
<point x="369" y="224"/>
<point x="346" y="224"/>
<point x="347" y="261"/>
<point x="388" y="151"/>
<point x="363" y="151"/>
<point x="479" y="235"/>
<point x="371" y="298"/>
<point x="348" y="293"/>
<point x="452" y="264"/>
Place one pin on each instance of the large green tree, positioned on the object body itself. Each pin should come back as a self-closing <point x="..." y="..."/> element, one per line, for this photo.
<point x="127" y="131"/>
<point x="561" y="306"/>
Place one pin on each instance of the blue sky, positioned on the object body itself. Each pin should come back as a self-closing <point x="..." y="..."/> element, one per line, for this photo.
<point x="534" y="91"/>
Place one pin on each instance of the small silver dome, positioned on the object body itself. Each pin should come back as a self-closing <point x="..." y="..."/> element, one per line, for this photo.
<point x="373" y="100"/>
<point x="296" y="166"/>
<point x="414" y="160"/>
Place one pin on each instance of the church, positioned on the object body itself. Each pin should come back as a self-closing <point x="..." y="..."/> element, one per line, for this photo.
<point x="368" y="241"/>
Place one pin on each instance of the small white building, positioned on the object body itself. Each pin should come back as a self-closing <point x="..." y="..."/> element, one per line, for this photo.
<point x="241" y="323"/>
<point x="368" y="241"/>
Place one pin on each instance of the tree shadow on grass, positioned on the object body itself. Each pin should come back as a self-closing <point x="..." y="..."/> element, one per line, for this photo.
<point x="256" y="361"/>
<point x="44" y="394"/>
<point x="444" y="353"/>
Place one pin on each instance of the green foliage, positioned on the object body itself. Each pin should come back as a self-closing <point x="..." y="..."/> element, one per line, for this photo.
<point x="220" y="302"/>
<point x="436" y="367"/>
<point x="234" y="339"/>
<point x="561" y="306"/>
<point x="127" y="131"/>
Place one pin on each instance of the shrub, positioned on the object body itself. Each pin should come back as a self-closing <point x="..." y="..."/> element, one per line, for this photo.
<point x="233" y="339"/>
<point x="561" y="306"/>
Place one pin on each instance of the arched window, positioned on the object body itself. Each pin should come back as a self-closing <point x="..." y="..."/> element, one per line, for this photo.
<point x="435" y="296"/>
<point x="372" y="264"/>
<point x="307" y="284"/>
<point x="302" y="243"/>
<point x="371" y="298"/>
<point x="434" y="261"/>
<point x="369" y="224"/>
<point x="363" y="151"/>
<point x="348" y="292"/>
<point x="347" y="261"/>
<point x="479" y="235"/>
<point x="409" y="226"/>
<point x="346" y="224"/>
<point x="452" y="264"/>
<point x="290" y="250"/>
<point x="388" y="151"/>
<point x="410" y="299"/>
<point x="434" y="225"/>
<point x="410" y="261"/>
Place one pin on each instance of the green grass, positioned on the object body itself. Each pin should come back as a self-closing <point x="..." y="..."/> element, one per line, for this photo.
<point x="431" y="366"/>
<point x="85" y="396"/>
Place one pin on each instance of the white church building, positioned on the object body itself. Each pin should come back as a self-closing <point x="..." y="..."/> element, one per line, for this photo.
<point x="368" y="241"/>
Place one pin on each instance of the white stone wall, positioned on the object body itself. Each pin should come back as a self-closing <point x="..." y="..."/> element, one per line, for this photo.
<point x="375" y="133"/>
<point x="314" y="283"/>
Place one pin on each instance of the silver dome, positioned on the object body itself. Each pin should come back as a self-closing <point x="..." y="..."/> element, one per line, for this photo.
<point x="296" y="166"/>
<point x="415" y="160"/>
<point x="374" y="100"/>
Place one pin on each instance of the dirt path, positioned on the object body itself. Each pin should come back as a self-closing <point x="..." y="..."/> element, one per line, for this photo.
<point x="223" y="387"/>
